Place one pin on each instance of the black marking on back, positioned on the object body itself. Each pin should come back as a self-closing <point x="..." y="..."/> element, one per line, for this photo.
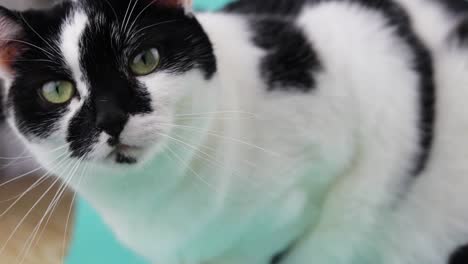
<point x="290" y="61"/>
<point x="461" y="33"/>
<point x="399" y="19"/>
<point x="293" y="7"/>
<point x="272" y="7"/>
<point x="423" y="65"/>
<point x="460" y="256"/>
<point x="455" y="6"/>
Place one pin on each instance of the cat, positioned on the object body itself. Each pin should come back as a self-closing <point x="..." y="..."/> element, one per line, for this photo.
<point x="270" y="132"/>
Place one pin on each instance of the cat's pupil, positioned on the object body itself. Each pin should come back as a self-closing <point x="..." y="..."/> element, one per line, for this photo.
<point x="145" y="59"/>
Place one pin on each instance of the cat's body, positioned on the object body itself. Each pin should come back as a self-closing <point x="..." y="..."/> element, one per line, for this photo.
<point x="330" y="131"/>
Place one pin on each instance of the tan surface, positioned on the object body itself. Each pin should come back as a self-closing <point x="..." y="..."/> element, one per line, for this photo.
<point x="15" y="247"/>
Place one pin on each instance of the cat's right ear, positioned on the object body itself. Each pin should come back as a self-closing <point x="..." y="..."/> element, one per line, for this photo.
<point x="11" y="45"/>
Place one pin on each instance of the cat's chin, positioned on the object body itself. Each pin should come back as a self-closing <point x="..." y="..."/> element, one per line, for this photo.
<point x="125" y="155"/>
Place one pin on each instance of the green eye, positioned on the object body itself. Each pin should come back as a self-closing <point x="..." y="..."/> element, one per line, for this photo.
<point x="145" y="62"/>
<point x="58" y="92"/>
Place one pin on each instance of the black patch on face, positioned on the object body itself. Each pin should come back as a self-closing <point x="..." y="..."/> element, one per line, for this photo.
<point x="83" y="132"/>
<point x="290" y="61"/>
<point x="115" y="94"/>
<point x="397" y="17"/>
<point x="180" y="39"/>
<point x="460" y="256"/>
<point x="40" y="63"/>
<point x="108" y="45"/>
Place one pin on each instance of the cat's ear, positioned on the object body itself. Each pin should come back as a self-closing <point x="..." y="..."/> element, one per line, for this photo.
<point x="187" y="5"/>
<point x="11" y="45"/>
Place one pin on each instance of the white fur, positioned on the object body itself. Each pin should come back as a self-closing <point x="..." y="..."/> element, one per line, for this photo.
<point x="71" y="36"/>
<point x="431" y="223"/>
<point x="259" y="169"/>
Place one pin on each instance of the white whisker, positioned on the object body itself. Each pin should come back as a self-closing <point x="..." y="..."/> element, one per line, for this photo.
<point x="39" y="168"/>
<point x="37" y="183"/>
<point x="215" y="163"/>
<point x="55" y="202"/>
<point x="153" y="25"/>
<point x="2" y="249"/>
<point x="125" y="16"/>
<point x="139" y="14"/>
<point x="217" y="113"/>
<point x="130" y="17"/>
<point x="72" y="202"/>
<point x="215" y="134"/>
<point x="39" y="35"/>
<point x="213" y="118"/>
<point x="191" y="169"/>
<point x="50" y="55"/>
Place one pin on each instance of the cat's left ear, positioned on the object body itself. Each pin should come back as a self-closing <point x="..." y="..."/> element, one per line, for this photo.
<point x="187" y="5"/>
<point x="11" y="45"/>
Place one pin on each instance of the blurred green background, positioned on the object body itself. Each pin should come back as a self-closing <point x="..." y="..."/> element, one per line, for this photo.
<point x="209" y="4"/>
<point x="93" y="243"/>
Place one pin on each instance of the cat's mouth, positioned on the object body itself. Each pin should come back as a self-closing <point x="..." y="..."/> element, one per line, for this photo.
<point x="125" y="154"/>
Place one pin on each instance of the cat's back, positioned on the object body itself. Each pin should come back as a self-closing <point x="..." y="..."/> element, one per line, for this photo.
<point x="432" y="20"/>
<point x="314" y="48"/>
<point x="405" y="58"/>
<point x="431" y="11"/>
<point x="267" y="7"/>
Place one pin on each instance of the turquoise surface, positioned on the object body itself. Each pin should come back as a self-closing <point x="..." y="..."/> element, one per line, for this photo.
<point x="209" y="4"/>
<point x="93" y="243"/>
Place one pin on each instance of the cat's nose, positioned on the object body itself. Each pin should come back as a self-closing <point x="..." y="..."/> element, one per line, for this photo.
<point x="111" y="122"/>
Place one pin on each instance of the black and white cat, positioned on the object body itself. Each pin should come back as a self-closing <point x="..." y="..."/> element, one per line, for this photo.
<point x="274" y="131"/>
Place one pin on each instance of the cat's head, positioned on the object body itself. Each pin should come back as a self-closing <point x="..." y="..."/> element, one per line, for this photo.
<point x="102" y="80"/>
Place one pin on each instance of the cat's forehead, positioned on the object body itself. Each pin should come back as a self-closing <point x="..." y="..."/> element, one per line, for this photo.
<point x="113" y="26"/>
<point x="72" y="26"/>
<point x="70" y="38"/>
<point x="104" y="31"/>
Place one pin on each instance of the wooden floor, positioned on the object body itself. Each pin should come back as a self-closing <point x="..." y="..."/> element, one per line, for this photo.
<point x="23" y="238"/>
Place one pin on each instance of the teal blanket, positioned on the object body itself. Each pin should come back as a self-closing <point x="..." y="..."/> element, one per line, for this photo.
<point x="210" y="4"/>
